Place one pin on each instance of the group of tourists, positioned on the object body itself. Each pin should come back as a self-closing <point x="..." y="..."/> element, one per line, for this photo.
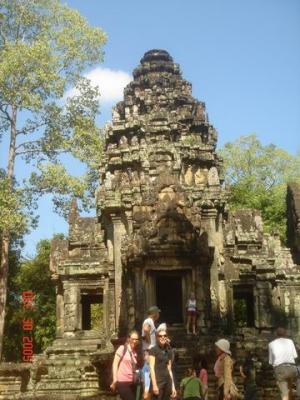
<point x="154" y="377"/>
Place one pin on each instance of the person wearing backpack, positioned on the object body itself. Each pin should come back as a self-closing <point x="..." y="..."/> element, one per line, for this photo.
<point x="191" y="387"/>
<point x="124" y="368"/>
<point x="227" y="389"/>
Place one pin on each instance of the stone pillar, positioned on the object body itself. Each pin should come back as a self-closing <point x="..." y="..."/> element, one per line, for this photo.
<point x="208" y="218"/>
<point x="59" y="309"/>
<point x="70" y="309"/>
<point x="106" y="307"/>
<point x="109" y="242"/>
<point x="118" y="232"/>
<point x="264" y="291"/>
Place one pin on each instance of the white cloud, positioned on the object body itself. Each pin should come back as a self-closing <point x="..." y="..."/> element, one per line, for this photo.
<point x="110" y="82"/>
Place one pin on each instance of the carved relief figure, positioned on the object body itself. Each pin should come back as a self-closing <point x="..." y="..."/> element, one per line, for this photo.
<point x="116" y="179"/>
<point x="134" y="141"/>
<point x="135" y="177"/>
<point x="199" y="112"/>
<point x="108" y="180"/>
<point x="189" y="176"/>
<point x="125" y="180"/>
<point x="200" y="177"/>
<point x="213" y="177"/>
<point x="123" y="141"/>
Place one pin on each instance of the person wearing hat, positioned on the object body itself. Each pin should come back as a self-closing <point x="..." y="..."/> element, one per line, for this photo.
<point x="223" y="371"/>
<point x="148" y="329"/>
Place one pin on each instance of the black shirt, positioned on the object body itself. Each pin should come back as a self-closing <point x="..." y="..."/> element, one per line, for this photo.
<point x="162" y="357"/>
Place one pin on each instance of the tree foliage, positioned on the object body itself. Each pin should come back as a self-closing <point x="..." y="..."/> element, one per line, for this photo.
<point x="45" y="47"/>
<point x="257" y="176"/>
<point x="28" y="275"/>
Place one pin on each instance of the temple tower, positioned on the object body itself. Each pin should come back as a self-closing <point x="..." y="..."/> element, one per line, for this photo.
<point x="160" y="201"/>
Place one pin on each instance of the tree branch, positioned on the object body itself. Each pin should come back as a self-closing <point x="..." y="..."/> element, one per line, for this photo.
<point x="29" y="142"/>
<point x="5" y="112"/>
<point x="36" y="151"/>
<point x="27" y="130"/>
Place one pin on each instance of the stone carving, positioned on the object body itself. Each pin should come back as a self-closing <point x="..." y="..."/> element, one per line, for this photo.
<point x="213" y="177"/>
<point x="135" y="178"/>
<point x="108" y="180"/>
<point x="125" y="182"/>
<point x="123" y="141"/>
<point x="134" y="141"/>
<point x="200" y="177"/>
<point x="189" y="176"/>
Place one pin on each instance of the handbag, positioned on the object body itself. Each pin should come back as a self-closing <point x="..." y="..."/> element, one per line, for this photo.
<point x="137" y="378"/>
<point x="136" y="373"/>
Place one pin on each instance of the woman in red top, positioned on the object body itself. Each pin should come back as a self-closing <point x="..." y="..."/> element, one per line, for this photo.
<point x="124" y="366"/>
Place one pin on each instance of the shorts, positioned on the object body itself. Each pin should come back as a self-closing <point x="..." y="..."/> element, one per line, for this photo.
<point x="191" y="313"/>
<point x="285" y="375"/>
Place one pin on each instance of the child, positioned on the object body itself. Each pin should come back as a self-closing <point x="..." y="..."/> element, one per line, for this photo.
<point x="191" y="309"/>
<point x="203" y="376"/>
<point x="191" y="387"/>
<point x="146" y="376"/>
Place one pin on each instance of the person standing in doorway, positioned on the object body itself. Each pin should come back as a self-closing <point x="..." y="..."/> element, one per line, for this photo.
<point x="191" y="310"/>
<point x="124" y="367"/>
<point x="282" y="355"/>
<point x="160" y="361"/>
<point x="149" y="329"/>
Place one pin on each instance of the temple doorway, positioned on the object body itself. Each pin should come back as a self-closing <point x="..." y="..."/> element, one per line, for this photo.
<point x="243" y="305"/>
<point x="169" y="297"/>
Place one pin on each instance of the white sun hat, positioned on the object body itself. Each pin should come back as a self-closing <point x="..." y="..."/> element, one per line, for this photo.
<point x="223" y="345"/>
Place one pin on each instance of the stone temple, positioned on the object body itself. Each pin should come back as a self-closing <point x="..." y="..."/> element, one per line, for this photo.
<point x="162" y="229"/>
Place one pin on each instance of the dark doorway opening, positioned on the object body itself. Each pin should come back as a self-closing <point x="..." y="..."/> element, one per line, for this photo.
<point x="243" y="301"/>
<point x="92" y="311"/>
<point x="169" y="298"/>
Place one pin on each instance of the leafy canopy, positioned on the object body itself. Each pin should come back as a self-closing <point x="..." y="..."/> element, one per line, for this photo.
<point x="44" y="49"/>
<point x="257" y="176"/>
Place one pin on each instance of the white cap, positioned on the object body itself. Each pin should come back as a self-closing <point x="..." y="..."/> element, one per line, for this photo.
<point x="223" y="345"/>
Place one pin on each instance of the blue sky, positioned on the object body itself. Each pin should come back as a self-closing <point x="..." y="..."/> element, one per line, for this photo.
<point x="242" y="58"/>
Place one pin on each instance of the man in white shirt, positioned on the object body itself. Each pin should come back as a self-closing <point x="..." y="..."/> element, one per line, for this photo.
<point x="282" y="355"/>
<point x="149" y="329"/>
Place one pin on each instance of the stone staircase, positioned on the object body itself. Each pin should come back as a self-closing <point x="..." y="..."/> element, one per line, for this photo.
<point x="190" y="348"/>
<point x="67" y="365"/>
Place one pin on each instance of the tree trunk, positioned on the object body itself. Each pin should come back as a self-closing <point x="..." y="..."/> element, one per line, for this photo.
<point x="3" y="283"/>
<point x="5" y="237"/>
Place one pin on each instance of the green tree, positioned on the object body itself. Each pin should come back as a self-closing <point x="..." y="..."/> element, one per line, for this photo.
<point x="44" y="49"/>
<point x="31" y="275"/>
<point x="257" y="176"/>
